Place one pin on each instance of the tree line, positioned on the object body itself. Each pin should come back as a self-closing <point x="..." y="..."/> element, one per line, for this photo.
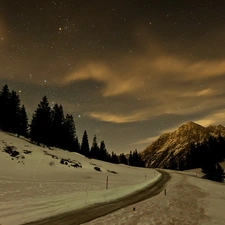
<point x="49" y="126"/>
<point x="13" y="117"/>
<point x="205" y="155"/>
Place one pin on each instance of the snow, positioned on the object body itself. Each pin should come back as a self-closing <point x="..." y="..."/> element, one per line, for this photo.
<point x="35" y="190"/>
<point x="189" y="200"/>
<point x="31" y="189"/>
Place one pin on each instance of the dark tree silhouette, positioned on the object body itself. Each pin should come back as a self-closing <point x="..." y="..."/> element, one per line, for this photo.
<point x="210" y="160"/>
<point x="69" y="133"/>
<point x="14" y="113"/>
<point x="130" y="159"/>
<point x="114" y="158"/>
<point x="13" y="118"/>
<point x="40" y="128"/>
<point x="48" y="126"/>
<point x="76" y="144"/>
<point x="135" y="159"/>
<point x="5" y="96"/>
<point x="85" y="150"/>
<point x="57" y="131"/>
<point x="123" y="159"/>
<point x="95" y="151"/>
<point x="213" y="171"/>
<point x="23" y="126"/>
<point x="103" y="154"/>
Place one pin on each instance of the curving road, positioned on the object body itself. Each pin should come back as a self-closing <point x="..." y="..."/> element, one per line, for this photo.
<point x="83" y="215"/>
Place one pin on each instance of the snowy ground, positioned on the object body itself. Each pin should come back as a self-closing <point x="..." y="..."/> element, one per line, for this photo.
<point x="38" y="186"/>
<point x="31" y="189"/>
<point x="189" y="200"/>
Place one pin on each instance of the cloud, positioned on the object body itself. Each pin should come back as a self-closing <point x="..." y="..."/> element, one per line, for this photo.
<point x="115" y="82"/>
<point x="143" y="73"/>
<point x="113" y="118"/>
<point x="163" y="86"/>
<point x="214" y="118"/>
<point x="96" y="71"/>
<point x="148" y="84"/>
<point x="149" y="140"/>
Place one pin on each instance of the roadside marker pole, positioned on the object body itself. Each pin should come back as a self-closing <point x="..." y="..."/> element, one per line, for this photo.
<point x="107" y="181"/>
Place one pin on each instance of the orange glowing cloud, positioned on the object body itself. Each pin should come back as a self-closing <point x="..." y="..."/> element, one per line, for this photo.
<point x="214" y="118"/>
<point x="113" y="118"/>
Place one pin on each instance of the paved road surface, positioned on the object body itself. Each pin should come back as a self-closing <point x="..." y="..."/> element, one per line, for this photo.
<point x="83" y="215"/>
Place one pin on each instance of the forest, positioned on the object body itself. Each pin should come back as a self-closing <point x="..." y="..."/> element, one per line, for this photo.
<point x="51" y="128"/>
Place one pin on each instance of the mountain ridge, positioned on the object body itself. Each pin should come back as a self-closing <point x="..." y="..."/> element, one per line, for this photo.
<point x="175" y="146"/>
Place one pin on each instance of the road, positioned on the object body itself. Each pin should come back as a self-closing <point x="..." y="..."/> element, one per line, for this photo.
<point x="83" y="215"/>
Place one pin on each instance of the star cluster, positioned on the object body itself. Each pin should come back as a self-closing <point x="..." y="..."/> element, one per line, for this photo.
<point x="127" y="71"/>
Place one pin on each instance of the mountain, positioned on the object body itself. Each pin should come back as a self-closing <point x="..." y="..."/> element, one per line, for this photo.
<point x="173" y="148"/>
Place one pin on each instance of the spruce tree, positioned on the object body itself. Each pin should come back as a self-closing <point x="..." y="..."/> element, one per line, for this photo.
<point x="23" y="126"/>
<point x="14" y="113"/>
<point x="213" y="171"/>
<point x="123" y="159"/>
<point x="95" y="152"/>
<point x="135" y="159"/>
<point x="76" y="144"/>
<point x="5" y="96"/>
<point x="85" y="150"/>
<point x="114" y="158"/>
<point x="130" y="159"/>
<point x="40" y="129"/>
<point x="69" y="133"/>
<point x="57" y="123"/>
<point x="104" y="155"/>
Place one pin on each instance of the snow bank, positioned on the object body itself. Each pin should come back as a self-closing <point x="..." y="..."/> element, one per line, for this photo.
<point x="189" y="200"/>
<point x="37" y="185"/>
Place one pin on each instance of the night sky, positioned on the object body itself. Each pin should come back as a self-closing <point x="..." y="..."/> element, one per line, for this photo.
<point x="128" y="71"/>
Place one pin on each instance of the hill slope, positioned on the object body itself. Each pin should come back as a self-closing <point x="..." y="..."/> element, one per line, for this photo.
<point x="36" y="182"/>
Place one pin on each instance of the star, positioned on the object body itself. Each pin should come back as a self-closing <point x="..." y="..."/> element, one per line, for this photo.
<point x="124" y="66"/>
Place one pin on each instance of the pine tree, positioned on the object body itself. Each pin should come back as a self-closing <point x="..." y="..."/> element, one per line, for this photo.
<point x="23" y="126"/>
<point x="69" y="133"/>
<point x="123" y="159"/>
<point x="114" y="158"/>
<point x="14" y="113"/>
<point x="95" y="151"/>
<point x="213" y="171"/>
<point x="104" y="155"/>
<point x="40" y="129"/>
<point x="5" y="96"/>
<point x="13" y="118"/>
<point x="85" y="150"/>
<point x="57" y="123"/>
<point x="130" y="159"/>
<point x="210" y="160"/>
<point x="76" y="144"/>
<point x="135" y="159"/>
<point x="138" y="160"/>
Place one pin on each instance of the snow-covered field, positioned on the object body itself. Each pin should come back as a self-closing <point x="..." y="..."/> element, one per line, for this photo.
<point x="39" y="186"/>
<point x="189" y="200"/>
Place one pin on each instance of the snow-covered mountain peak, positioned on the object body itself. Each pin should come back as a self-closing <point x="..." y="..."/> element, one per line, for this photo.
<point x="190" y="126"/>
<point x="176" y="145"/>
